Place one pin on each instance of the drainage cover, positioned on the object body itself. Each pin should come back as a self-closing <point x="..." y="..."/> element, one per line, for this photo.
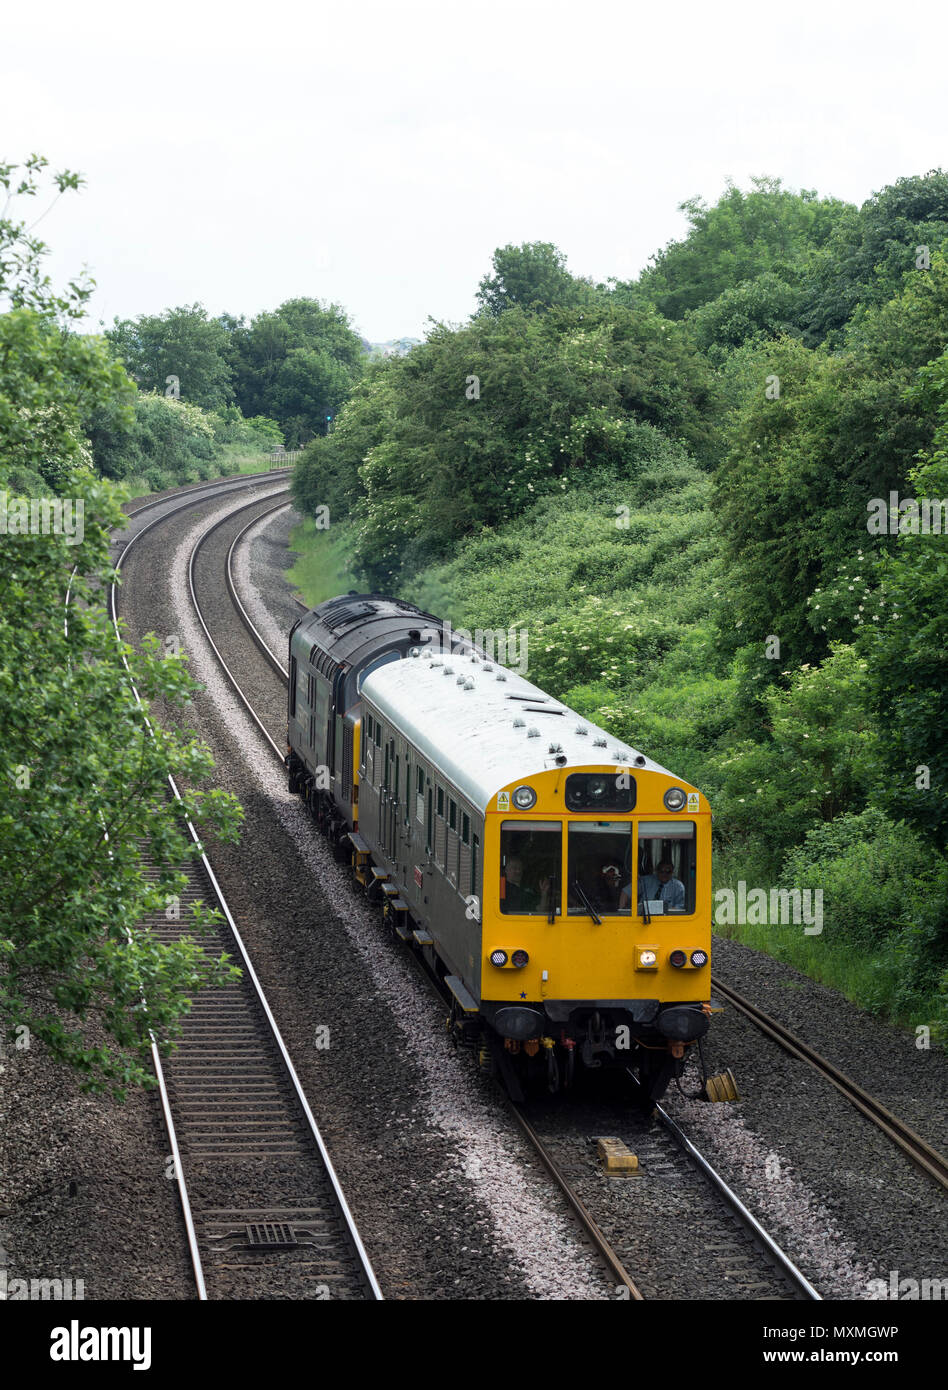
<point x="271" y="1234"/>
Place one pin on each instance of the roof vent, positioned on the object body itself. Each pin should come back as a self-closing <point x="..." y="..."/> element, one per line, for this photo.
<point x="555" y="748"/>
<point x="599" y="743"/>
<point x="488" y="666"/>
<point x="449" y="670"/>
<point x="460" y="680"/>
<point x="533" y="733"/>
<point x="581" y="729"/>
<point x="436" y="663"/>
<point x="620" y="757"/>
<point x="520" y="723"/>
<point x="468" y="684"/>
<point x="501" y="676"/>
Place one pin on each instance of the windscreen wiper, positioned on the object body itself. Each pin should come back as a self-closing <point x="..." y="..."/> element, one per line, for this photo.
<point x="586" y="903"/>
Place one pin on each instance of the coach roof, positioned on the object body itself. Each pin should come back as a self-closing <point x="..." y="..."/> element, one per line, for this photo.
<point x="483" y="726"/>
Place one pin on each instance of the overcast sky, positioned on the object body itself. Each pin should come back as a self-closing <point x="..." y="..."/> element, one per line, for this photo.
<point x="375" y="154"/>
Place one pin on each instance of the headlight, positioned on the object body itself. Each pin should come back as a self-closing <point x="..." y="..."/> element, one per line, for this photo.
<point x="498" y="957"/>
<point x="674" y="798"/>
<point x="699" y="958"/>
<point x="524" y="798"/>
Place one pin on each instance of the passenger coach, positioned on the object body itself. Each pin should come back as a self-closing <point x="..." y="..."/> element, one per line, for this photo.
<point x="555" y="878"/>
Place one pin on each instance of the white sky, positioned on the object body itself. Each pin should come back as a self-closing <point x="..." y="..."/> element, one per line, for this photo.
<point x="375" y="154"/>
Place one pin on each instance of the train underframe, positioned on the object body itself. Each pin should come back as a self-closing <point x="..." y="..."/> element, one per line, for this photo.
<point x="566" y="1038"/>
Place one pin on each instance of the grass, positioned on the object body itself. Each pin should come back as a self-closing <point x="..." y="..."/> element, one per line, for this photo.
<point x="322" y="568"/>
<point x="869" y="978"/>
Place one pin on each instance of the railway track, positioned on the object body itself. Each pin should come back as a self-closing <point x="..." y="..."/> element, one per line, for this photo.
<point x="745" y="1249"/>
<point x="263" y="1208"/>
<point x="676" y="1223"/>
<point x="912" y="1145"/>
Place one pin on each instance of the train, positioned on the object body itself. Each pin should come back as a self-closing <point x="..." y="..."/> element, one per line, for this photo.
<point x="555" y="880"/>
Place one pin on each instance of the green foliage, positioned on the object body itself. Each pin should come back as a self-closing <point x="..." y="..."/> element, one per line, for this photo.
<point x="532" y="276"/>
<point x="167" y="442"/>
<point x="742" y="236"/>
<point x="882" y="888"/>
<point x="23" y="282"/>
<point x="908" y="647"/>
<point x="793" y="492"/>
<point x="614" y="583"/>
<point x="869" y="253"/>
<point x="85" y="787"/>
<point x="296" y="365"/>
<point x="50" y="379"/>
<point x="479" y="422"/>
<point x="181" y="342"/>
<point x="752" y="311"/>
<point x="816" y="761"/>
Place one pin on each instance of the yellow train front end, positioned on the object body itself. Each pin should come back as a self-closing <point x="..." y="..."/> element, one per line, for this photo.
<point x="596" y="921"/>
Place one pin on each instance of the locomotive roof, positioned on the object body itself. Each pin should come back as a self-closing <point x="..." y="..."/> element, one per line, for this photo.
<point x="353" y="625"/>
<point x="460" y="712"/>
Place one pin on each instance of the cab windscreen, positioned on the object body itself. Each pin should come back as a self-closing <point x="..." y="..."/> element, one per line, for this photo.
<point x="600" y="791"/>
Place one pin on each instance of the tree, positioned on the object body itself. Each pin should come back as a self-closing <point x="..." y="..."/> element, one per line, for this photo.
<point x="755" y="310"/>
<point x="908" y="646"/>
<point x="84" y="784"/>
<point x="817" y="437"/>
<point x="532" y="276"/>
<point x="295" y="365"/>
<point x="23" y="282"/>
<point x="478" y="422"/>
<point x="869" y="254"/>
<point x="741" y="236"/>
<point x="182" y="343"/>
<point x="50" y="377"/>
<point x="85" y="789"/>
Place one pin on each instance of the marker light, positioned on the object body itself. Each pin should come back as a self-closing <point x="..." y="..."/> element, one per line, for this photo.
<point x="674" y="799"/>
<point x="524" y="798"/>
<point x="647" y="959"/>
<point x="498" y="957"/>
<point x="677" y="959"/>
<point x="699" y="958"/>
<point x="519" y="959"/>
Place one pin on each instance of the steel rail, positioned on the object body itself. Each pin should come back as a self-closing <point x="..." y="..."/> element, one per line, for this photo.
<point x="258" y="638"/>
<point x="747" y="1218"/>
<point x="214" y="487"/>
<point x="252" y="975"/>
<point x="159" y="1071"/>
<point x="200" y="616"/>
<point x="578" y="1207"/>
<point x="912" y="1144"/>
